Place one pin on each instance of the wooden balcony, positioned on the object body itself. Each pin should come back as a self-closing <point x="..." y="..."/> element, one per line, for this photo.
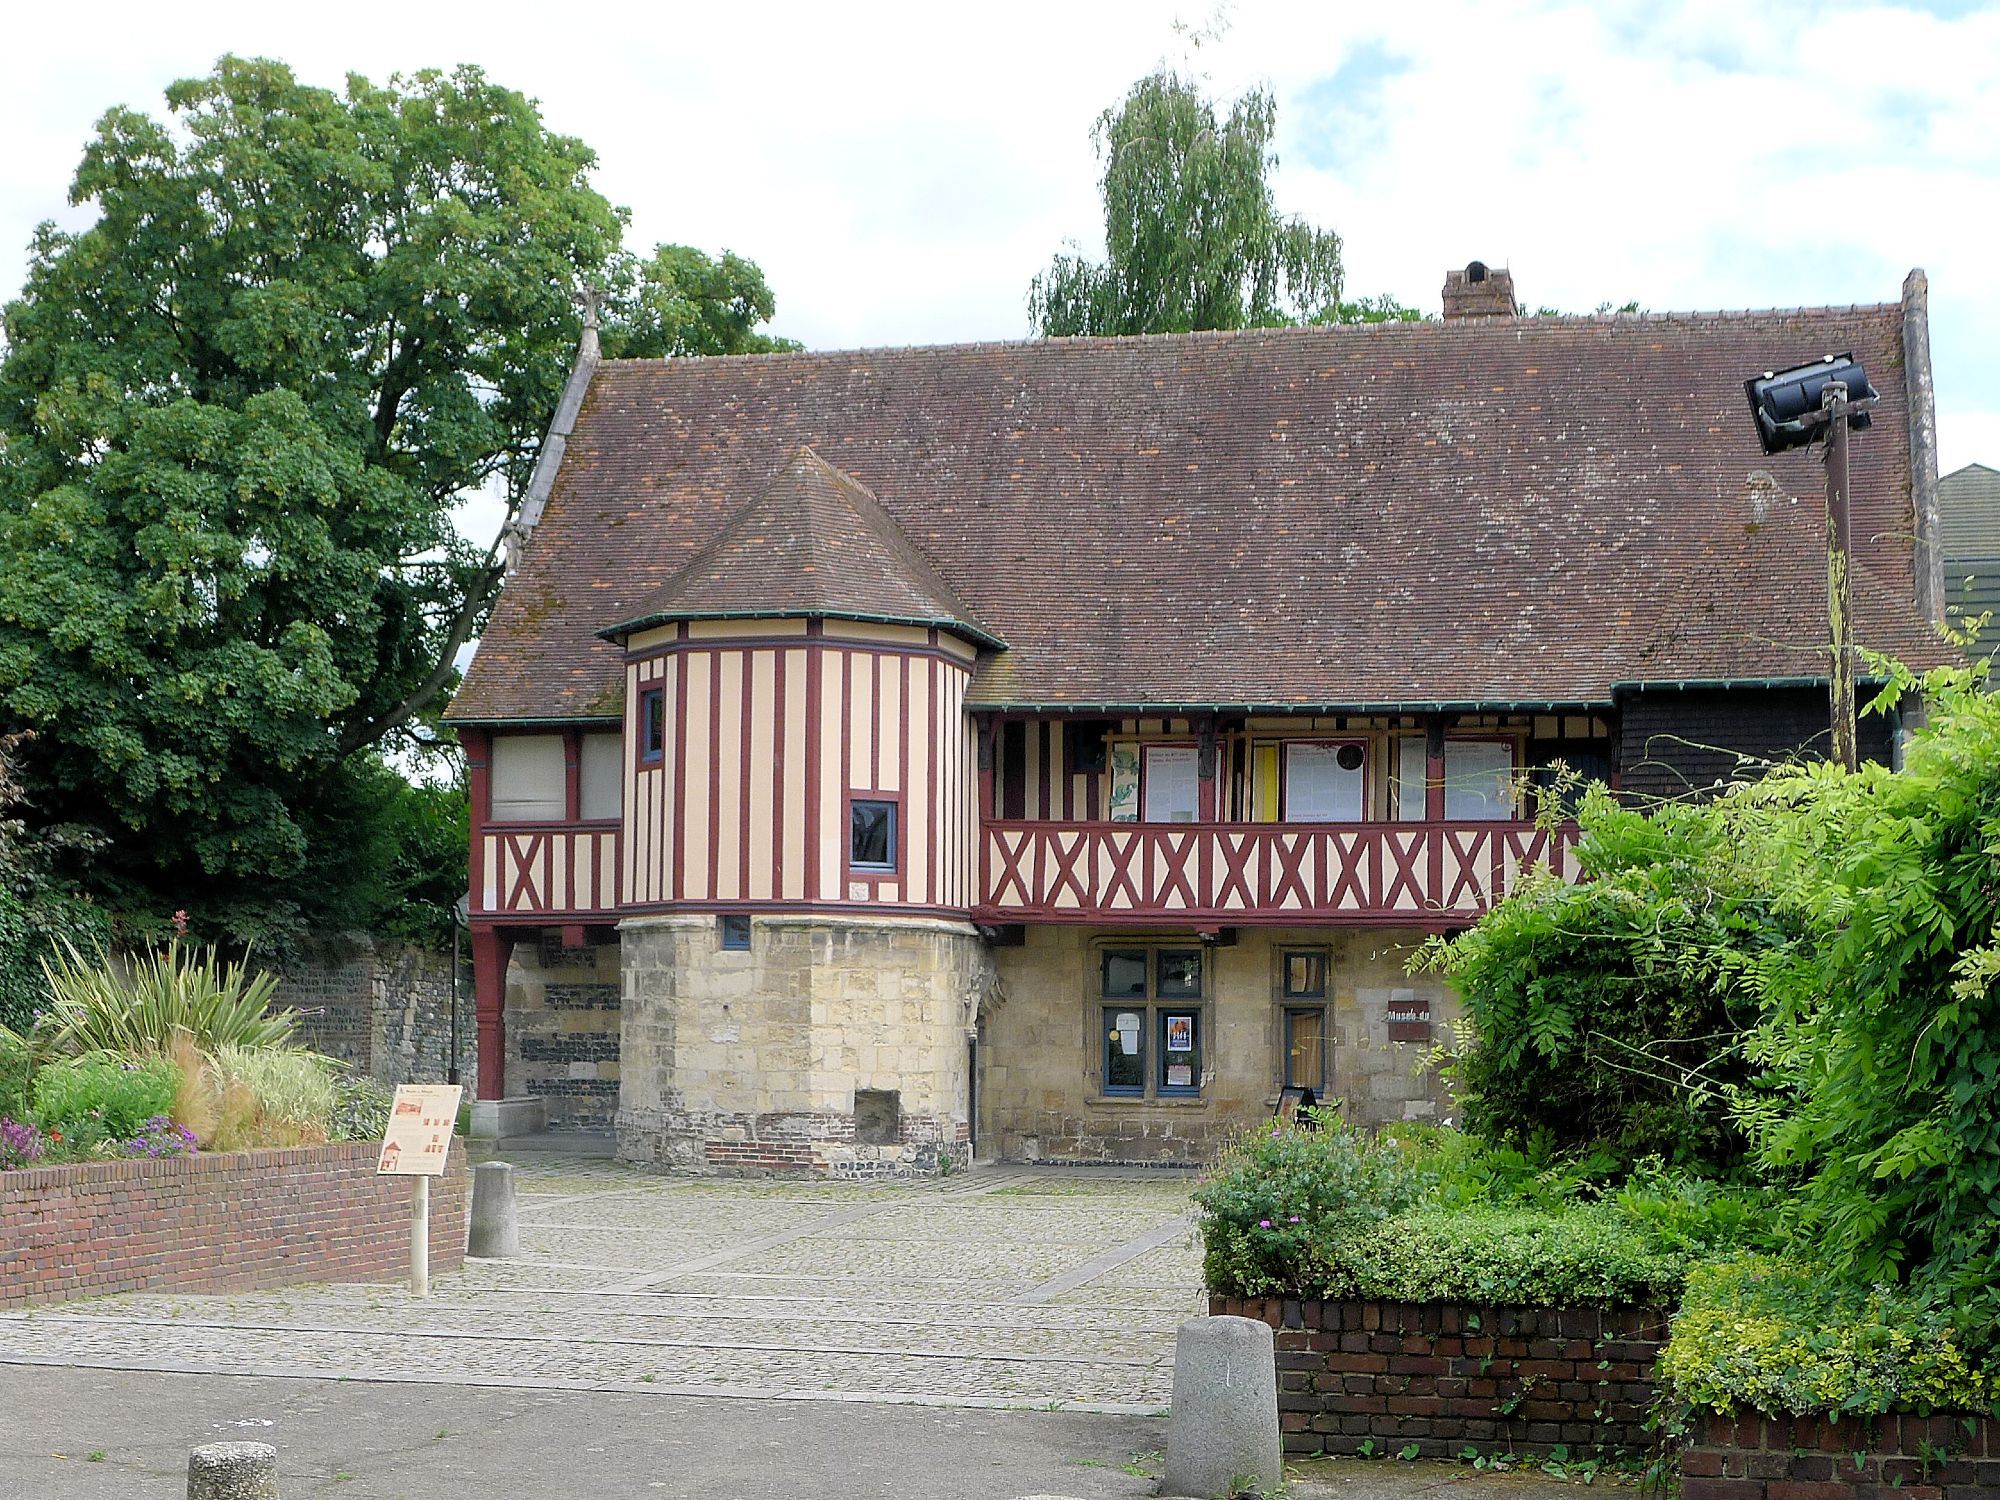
<point x="1432" y="874"/>
<point x="546" y="870"/>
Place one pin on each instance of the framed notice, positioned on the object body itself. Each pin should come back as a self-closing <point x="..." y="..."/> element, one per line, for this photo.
<point x="419" y="1136"/>
<point x="1180" y="1033"/>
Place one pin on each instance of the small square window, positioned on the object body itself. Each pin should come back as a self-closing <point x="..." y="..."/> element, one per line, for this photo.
<point x="736" y="933"/>
<point x="871" y="835"/>
<point x="1124" y="973"/>
<point x="1088" y="747"/>
<point x="652" y="726"/>
<point x="1180" y="973"/>
<point x="1305" y="975"/>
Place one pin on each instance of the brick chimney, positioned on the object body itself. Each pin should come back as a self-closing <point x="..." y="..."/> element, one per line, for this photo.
<point x="1479" y="291"/>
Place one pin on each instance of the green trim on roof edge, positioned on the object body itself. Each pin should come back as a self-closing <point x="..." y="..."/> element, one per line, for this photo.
<point x="957" y="627"/>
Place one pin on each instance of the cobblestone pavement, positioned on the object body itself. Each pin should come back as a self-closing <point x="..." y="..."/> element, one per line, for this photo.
<point x="1008" y="1287"/>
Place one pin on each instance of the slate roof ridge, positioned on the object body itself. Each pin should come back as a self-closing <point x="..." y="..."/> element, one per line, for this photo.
<point x="825" y="573"/>
<point x="1387" y="328"/>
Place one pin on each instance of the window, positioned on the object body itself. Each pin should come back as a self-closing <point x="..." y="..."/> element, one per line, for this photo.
<point x="1412" y="773"/>
<point x="602" y="769"/>
<point x="652" y="726"/>
<point x="1478" y="780"/>
<point x="528" y="778"/>
<point x="1325" y="783"/>
<point x="736" y="932"/>
<point x="871" y="834"/>
<point x="1170" y="785"/>
<point x="1152" y="1000"/>
<point x="1088" y="747"/>
<point x="1305" y="974"/>
<point x="1305" y="1048"/>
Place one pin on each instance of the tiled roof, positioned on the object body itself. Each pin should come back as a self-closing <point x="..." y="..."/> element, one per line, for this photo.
<point x="815" y="542"/>
<point x="1520" y="510"/>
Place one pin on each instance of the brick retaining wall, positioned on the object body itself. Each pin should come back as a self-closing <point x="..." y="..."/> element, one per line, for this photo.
<point x="223" y="1222"/>
<point x="1757" y="1457"/>
<point x="1521" y="1380"/>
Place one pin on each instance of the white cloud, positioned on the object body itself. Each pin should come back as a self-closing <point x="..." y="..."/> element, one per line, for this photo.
<point x="901" y="171"/>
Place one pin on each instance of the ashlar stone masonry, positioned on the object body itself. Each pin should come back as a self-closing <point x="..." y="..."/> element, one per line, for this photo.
<point x="833" y="1046"/>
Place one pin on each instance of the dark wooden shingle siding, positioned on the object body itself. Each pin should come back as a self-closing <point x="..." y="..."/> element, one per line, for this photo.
<point x="1683" y="742"/>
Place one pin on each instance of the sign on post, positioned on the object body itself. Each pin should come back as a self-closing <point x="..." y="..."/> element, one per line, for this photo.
<point x="417" y="1145"/>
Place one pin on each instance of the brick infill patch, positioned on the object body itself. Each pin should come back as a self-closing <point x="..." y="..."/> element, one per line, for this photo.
<point x="222" y="1222"/>
<point x="1758" y="1457"/>
<point x="1359" y="1377"/>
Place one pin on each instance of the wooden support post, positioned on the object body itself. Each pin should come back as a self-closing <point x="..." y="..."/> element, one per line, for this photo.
<point x="490" y="952"/>
<point x="1434" y="769"/>
<point x="1205" y="800"/>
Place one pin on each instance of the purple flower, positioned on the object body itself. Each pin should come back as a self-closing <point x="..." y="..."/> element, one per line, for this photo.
<point x="1295" y="1218"/>
<point x="1263" y="1223"/>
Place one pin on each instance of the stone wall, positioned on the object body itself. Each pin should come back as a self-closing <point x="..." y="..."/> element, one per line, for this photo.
<point x="1758" y="1457"/>
<point x="384" y="1007"/>
<point x="1041" y="1043"/>
<point x="752" y="1061"/>
<point x="1380" y="1376"/>
<point x="563" y="1020"/>
<point x="227" y="1222"/>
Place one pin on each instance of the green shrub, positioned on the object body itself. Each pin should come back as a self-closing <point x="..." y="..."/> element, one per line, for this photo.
<point x="1763" y="1334"/>
<point x="136" y="1009"/>
<point x="360" y="1108"/>
<point x="1277" y="1194"/>
<point x="16" y="1070"/>
<point x="1611" y="1015"/>
<point x="1533" y="1257"/>
<point x="103" y="1097"/>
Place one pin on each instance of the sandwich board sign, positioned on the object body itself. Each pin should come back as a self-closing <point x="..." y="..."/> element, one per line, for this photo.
<point x="416" y="1145"/>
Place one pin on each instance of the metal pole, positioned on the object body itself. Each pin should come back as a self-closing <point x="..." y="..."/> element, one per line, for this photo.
<point x="1838" y="595"/>
<point x="420" y="1238"/>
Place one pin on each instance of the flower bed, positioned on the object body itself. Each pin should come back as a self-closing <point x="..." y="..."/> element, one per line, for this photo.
<point x="1386" y="1377"/>
<point x="216" y="1222"/>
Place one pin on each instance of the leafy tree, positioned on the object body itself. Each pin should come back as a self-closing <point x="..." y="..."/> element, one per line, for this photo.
<point x="38" y="914"/>
<point x="1192" y="234"/>
<point x="235" y="413"/>
<point x="1614" y="1013"/>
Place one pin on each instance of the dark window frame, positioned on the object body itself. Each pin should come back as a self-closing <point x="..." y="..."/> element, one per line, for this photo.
<point x="1289" y="1011"/>
<point x="652" y="700"/>
<point x="1322" y="962"/>
<point x="725" y="927"/>
<point x="868" y="869"/>
<point x="1152" y="1008"/>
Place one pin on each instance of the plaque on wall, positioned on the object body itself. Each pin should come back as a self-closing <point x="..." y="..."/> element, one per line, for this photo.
<point x="1409" y="1016"/>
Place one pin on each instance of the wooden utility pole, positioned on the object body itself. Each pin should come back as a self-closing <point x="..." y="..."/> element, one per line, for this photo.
<point x="1839" y="596"/>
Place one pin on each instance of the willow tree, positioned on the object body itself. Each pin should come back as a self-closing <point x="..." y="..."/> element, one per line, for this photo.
<point x="236" y="414"/>
<point x="1192" y="234"/>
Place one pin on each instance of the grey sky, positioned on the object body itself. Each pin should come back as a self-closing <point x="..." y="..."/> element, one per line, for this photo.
<point x="901" y="171"/>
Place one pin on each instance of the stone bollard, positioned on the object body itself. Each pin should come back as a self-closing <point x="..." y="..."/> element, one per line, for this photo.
<point x="1224" y="1427"/>
<point x="233" y="1471"/>
<point x="494" y="1230"/>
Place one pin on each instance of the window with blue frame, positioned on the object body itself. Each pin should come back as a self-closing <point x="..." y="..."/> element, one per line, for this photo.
<point x="736" y="932"/>
<point x="652" y="726"/>
<point x="1152" y="1021"/>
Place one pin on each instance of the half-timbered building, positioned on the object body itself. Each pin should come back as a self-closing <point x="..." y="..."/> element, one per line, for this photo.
<point x="1060" y="748"/>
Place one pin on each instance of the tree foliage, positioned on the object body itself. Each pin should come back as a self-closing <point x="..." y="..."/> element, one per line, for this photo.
<point x="235" y="414"/>
<point x="1192" y="234"/>
<point x="1614" y="1013"/>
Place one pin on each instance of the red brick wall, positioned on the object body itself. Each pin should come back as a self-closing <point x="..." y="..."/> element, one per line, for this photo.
<point x="1756" y="1457"/>
<point x="227" y="1222"/>
<point x="1500" y="1379"/>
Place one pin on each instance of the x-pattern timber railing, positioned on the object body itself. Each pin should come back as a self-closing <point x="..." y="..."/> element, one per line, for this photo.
<point x="547" y="869"/>
<point x="1435" y="872"/>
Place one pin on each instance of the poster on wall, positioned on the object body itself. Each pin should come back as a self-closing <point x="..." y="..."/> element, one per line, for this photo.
<point x="1180" y="1076"/>
<point x="1180" y="1033"/>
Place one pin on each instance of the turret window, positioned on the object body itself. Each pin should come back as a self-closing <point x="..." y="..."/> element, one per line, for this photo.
<point x="871" y="834"/>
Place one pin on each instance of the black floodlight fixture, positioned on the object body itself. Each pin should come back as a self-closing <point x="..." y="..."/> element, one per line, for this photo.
<point x="1786" y="403"/>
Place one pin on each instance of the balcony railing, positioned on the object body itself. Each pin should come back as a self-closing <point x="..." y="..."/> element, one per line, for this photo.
<point x="547" y="870"/>
<point x="1440" y="873"/>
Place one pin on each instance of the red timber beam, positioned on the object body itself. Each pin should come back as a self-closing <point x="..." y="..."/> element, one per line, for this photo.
<point x="491" y="948"/>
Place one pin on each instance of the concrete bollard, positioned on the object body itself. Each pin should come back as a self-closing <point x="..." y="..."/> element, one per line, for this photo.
<point x="1223" y="1431"/>
<point x="233" y="1471"/>
<point x="494" y="1228"/>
